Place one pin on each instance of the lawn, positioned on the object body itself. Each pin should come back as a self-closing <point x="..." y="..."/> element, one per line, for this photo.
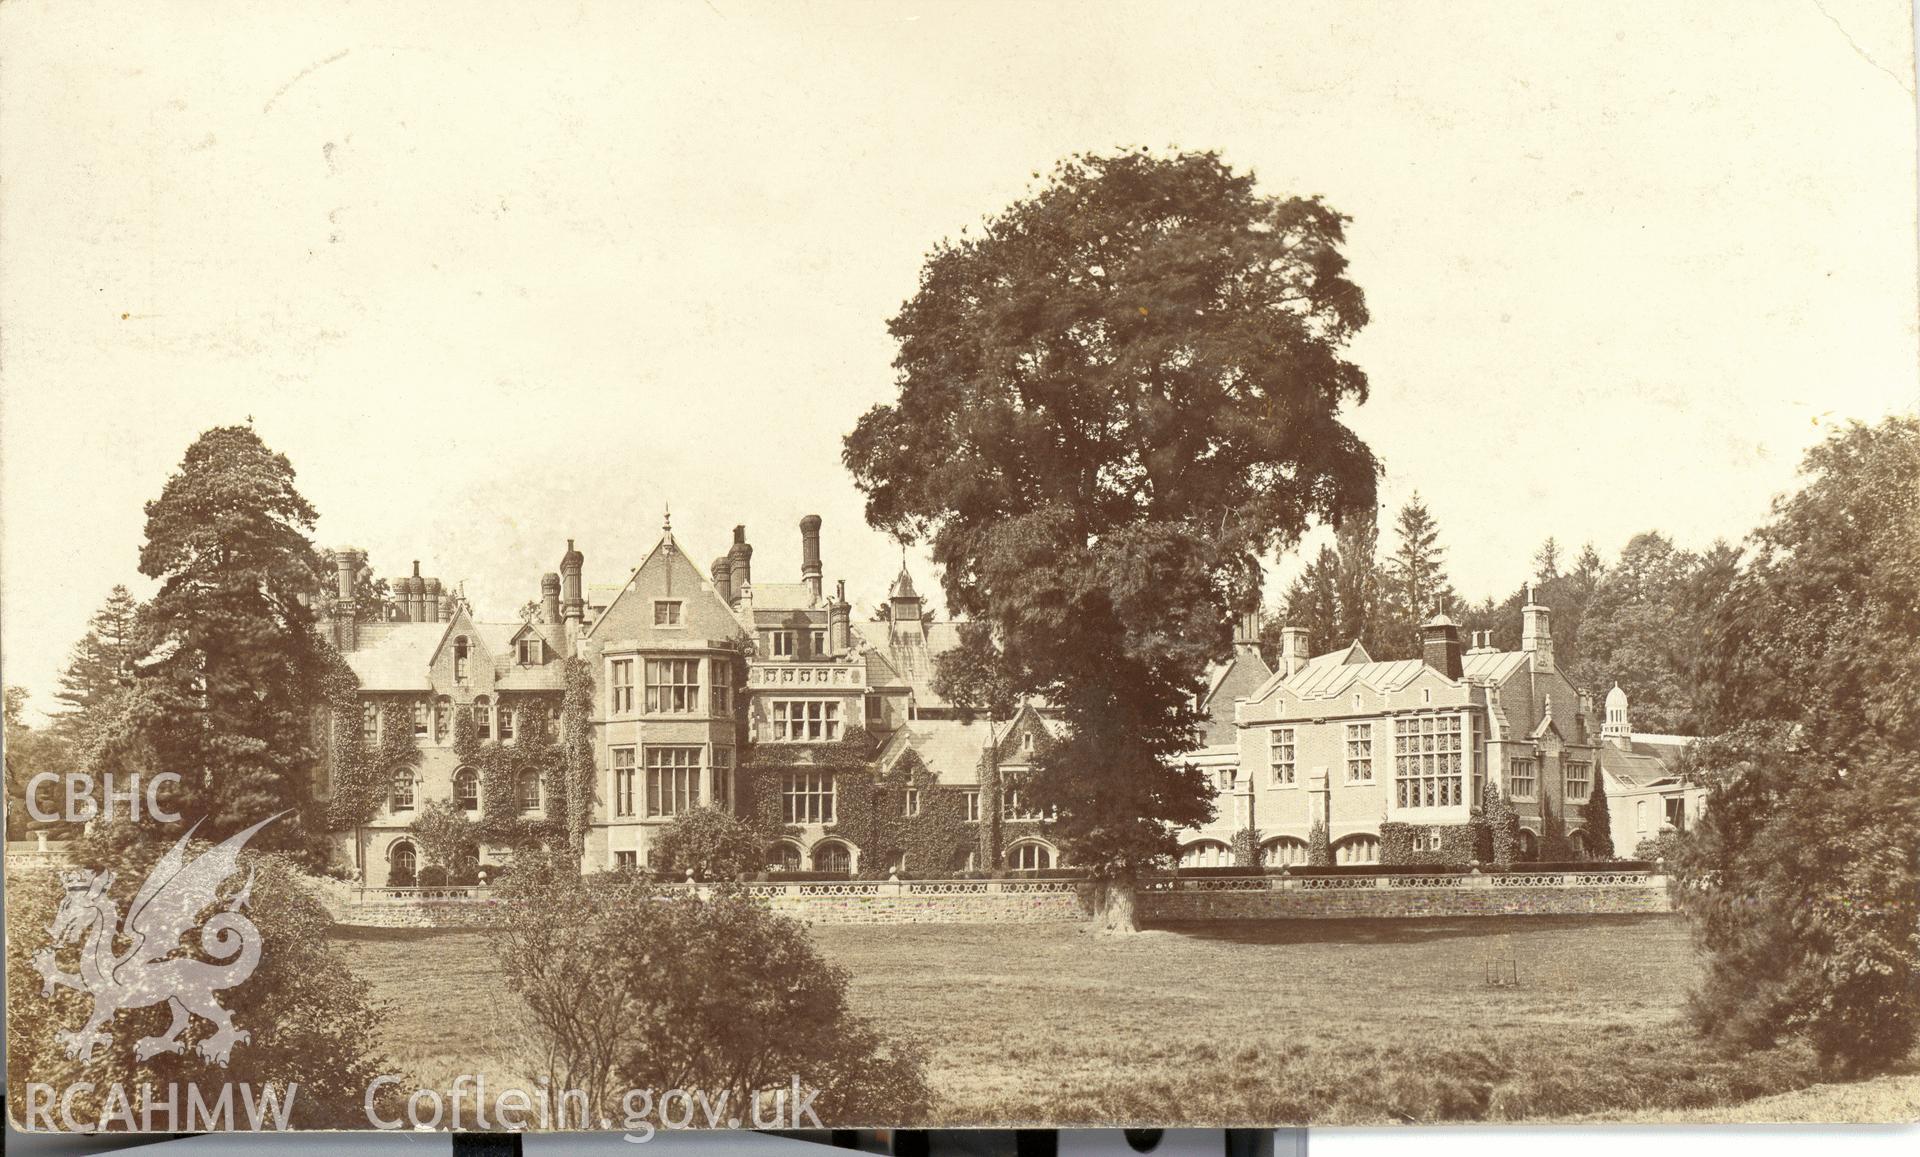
<point x="1232" y="1023"/>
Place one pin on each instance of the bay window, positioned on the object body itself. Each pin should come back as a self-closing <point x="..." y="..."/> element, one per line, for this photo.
<point x="673" y="780"/>
<point x="1427" y="761"/>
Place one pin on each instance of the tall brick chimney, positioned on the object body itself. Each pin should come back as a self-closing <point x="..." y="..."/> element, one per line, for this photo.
<point x="722" y="572"/>
<point x="433" y="600"/>
<point x="416" y="595"/>
<point x="840" y="623"/>
<point x="573" y="602"/>
<point x="1246" y="634"/>
<point x="550" y="598"/>
<point x="1440" y="644"/>
<point x="1293" y="649"/>
<point x="739" y="564"/>
<point x="810" y="557"/>
<point x="1536" y="637"/>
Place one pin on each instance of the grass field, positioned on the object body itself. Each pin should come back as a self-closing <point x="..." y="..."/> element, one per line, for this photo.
<point x="1336" y="1021"/>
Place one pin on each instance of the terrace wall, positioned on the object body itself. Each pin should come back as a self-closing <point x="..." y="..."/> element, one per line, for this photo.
<point x="1160" y="901"/>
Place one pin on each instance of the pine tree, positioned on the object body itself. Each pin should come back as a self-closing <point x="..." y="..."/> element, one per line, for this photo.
<point x="1546" y="561"/>
<point x="1416" y="579"/>
<point x="103" y="658"/>
<point x="229" y="702"/>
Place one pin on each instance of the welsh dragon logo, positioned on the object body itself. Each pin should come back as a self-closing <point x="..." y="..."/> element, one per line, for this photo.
<point x="154" y="968"/>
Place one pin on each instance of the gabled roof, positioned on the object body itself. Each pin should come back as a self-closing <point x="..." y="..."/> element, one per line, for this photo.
<point x="950" y="749"/>
<point x="1649" y="759"/>
<point x="1335" y="673"/>
<point x="395" y="656"/>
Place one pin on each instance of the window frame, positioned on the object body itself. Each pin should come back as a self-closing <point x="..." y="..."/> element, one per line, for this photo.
<point x="1514" y="778"/>
<point x="672" y="784"/>
<point x="830" y="725"/>
<point x="623" y="765"/>
<point x="775" y="641"/>
<point x="620" y="686"/>
<point x="1359" y="733"/>
<point x="1291" y="745"/>
<point x="970" y="806"/>
<point x="669" y="614"/>
<point x="1423" y="744"/>
<point x="672" y="686"/>
<point x="402" y="791"/>
<point x="1567" y="767"/>
<point x="468" y="775"/>
<point x="910" y="802"/>
<point x="808" y="797"/>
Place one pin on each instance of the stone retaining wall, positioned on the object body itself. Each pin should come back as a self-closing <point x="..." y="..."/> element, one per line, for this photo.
<point x="1161" y="901"/>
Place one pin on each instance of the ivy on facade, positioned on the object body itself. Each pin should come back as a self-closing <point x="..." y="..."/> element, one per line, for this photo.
<point x="362" y="776"/>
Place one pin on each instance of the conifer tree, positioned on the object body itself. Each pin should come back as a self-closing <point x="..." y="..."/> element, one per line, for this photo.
<point x="1598" y="819"/>
<point x="103" y="658"/>
<point x="229" y="698"/>
<point x="1415" y="579"/>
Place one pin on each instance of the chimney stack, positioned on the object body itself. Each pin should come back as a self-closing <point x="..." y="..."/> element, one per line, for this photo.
<point x="343" y="617"/>
<point x="433" y="600"/>
<point x="810" y="557"/>
<point x="739" y="564"/>
<point x="416" y="596"/>
<point x="840" y="623"/>
<point x="723" y="579"/>
<point x="1246" y="635"/>
<point x="1440" y="645"/>
<point x="1536" y="637"/>
<point x="1293" y="649"/>
<point x="550" y="598"/>
<point x="573" y="602"/>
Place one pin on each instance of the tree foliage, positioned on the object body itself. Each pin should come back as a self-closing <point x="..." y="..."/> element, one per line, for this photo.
<point x="103" y="658"/>
<point x="236" y="669"/>
<point x="710" y="843"/>
<point x="1414" y="582"/>
<point x="629" y="987"/>
<point x="1113" y="401"/>
<point x="1801" y="874"/>
<point x="313" y="1023"/>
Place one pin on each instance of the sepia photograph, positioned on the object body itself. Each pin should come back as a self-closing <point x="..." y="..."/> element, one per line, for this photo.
<point x="723" y="565"/>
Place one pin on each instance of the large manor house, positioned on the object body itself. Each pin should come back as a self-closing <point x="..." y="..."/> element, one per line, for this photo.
<point x="766" y="699"/>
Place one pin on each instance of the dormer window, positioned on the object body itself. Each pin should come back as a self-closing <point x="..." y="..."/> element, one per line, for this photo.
<point x="460" y="659"/>
<point x="817" y="643"/>
<point x="666" y="612"/>
<point x="533" y="651"/>
<point x="780" y="644"/>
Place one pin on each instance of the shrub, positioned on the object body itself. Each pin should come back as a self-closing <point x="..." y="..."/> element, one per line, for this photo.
<point x="710" y="842"/>
<point x="313" y="1023"/>
<point x="1503" y="825"/>
<point x="1660" y="847"/>
<point x="635" y="988"/>
<point x="1597" y="819"/>
<point x="1247" y="852"/>
<point x="1319" y="847"/>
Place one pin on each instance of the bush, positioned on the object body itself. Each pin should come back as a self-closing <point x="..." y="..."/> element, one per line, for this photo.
<point x="1248" y="855"/>
<point x="1661" y="847"/>
<point x="313" y="1023"/>
<point x="433" y="876"/>
<point x="714" y="844"/>
<point x="630" y="987"/>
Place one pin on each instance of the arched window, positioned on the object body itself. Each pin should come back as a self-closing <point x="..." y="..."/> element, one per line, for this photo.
<point x="1029" y="857"/>
<point x="1357" y="850"/>
<point x="967" y="861"/>
<point x="1206" y="854"/>
<point x="1640" y="816"/>
<point x="1284" y="851"/>
<point x="460" y="659"/>
<point x="1529" y="845"/>
<point x="527" y="790"/>
<point x="483" y="716"/>
<point x="783" y="857"/>
<point x="402" y="799"/>
<point x="466" y="789"/>
<point x="401" y="859"/>
<point x="1578" y="842"/>
<point x="832" y="856"/>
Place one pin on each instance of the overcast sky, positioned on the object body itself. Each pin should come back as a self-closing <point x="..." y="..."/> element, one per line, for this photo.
<point x="495" y="275"/>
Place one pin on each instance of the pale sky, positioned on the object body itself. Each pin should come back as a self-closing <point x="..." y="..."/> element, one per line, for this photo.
<point x="496" y="275"/>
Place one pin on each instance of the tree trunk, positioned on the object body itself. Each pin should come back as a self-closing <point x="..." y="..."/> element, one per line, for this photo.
<point x="1114" y="912"/>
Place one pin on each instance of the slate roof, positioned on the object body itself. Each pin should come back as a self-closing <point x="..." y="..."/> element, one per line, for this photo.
<point x="950" y="748"/>
<point x="1650" y="759"/>
<point x="1331" y="675"/>
<point x="395" y="656"/>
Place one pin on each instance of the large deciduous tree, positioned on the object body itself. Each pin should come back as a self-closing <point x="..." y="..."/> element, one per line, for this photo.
<point x="1114" y="400"/>
<point x="1801" y="874"/>
<point x="229" y="691"/>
